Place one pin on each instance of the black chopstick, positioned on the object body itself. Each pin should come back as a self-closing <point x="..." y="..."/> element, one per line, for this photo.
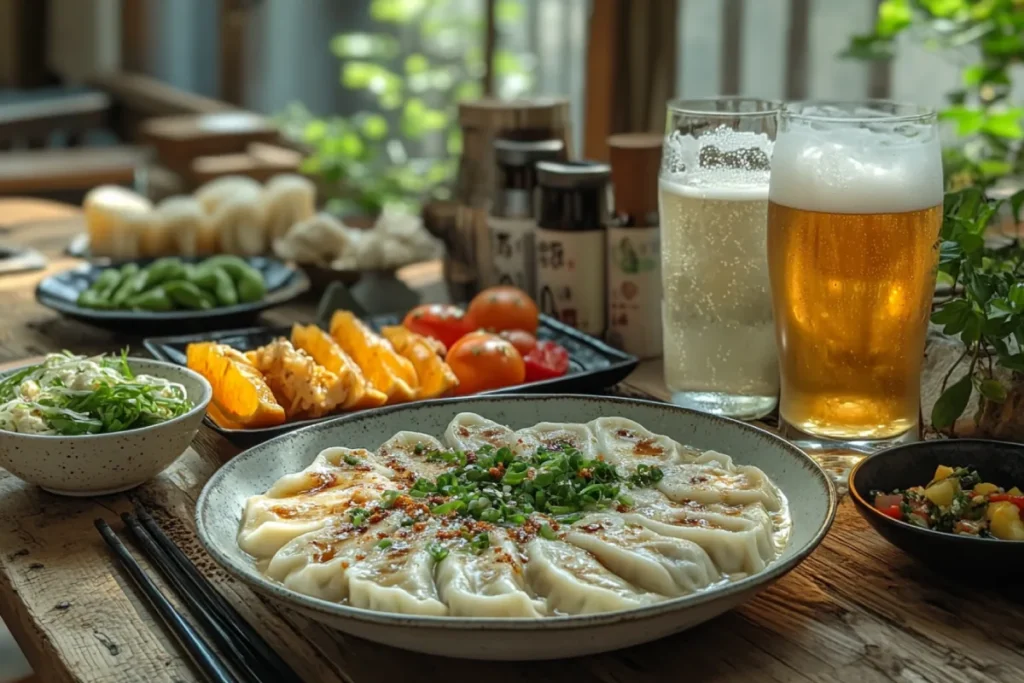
<point x="264" y="656"/>
<point x="238" y="655"/>
<point x="205" y="659"/>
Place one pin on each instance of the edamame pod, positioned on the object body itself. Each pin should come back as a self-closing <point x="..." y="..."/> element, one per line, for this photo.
<point x="164" y="270"/>
<point x="225" y="290"/>
<point x="251" y="289"/>
<point x="91" y="298"/>
<point x="204" y="277"/>
<point x="155" y="299"/>
<point x="106" y="283"/>
<point x="240" y="272"/>
<point x="185" y="294"/>
<point x="130" y="287"/>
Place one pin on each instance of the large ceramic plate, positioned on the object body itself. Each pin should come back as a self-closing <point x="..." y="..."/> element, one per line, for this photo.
<point x="593" y="365"/>
<point x="811" y="496"/>
<point x="60" y="293"/>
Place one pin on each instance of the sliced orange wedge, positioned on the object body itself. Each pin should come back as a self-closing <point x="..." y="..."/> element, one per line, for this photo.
<point x="387" y="371"/>
<point x="436" y="378"/>
<point x="326" y="352"/>
<point x="241" y="397"/>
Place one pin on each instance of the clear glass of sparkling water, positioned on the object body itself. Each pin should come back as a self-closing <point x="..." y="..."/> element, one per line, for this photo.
<point x="719" y="339"/>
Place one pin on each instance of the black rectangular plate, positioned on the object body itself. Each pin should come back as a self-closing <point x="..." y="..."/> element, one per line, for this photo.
<point x="593" y="365"/>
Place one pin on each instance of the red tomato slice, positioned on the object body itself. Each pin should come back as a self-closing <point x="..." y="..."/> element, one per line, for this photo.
<point x="443" y="322"/>
<point x="546" y="361"/>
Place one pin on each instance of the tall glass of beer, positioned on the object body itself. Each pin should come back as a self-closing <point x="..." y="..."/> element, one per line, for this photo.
<point x="854" y="212"/>
<point x="719" y="341"/>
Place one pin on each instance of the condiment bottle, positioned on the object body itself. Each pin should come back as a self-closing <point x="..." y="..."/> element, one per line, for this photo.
<point x="634" y="246"/>
<point x="570" y="242"/>
<point x="512" y="218"/>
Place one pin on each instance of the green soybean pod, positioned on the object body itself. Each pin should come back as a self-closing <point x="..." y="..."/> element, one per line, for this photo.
<point x="155" y="299"/>
<point x="225" y="290"/>
<point x="185" y="294"/>
<point x="130" y="287"/>
<point x="106" y="283"/>
<point x="164" y="270"/>
<point x="251" y="286"/>
<point x="91" y="298"/>
<point x="204" y="277"/>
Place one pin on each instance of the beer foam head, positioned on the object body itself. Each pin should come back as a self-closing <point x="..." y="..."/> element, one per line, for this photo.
<point x="832" y="166"/>
<point x="722" y="159"/>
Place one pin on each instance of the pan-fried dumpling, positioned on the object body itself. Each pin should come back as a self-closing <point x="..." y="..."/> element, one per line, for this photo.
<point x="289" y="199"/>
<point x="573" y="581"/>
<point x="406" y="454"/>
<point x="470" y="432"/>
<point x="318" y="563"/>
<point x="187" y="226"/>
<point x="487" y="584"/>
<point x="397" y="574"/>
<point x="712" y="483"/>
<point x="661" y="564"/>
<point x="338" y="480"/>
<point x="554" y="436"/>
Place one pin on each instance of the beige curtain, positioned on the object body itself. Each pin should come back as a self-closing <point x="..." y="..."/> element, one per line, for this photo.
<point x="645" y="47"/>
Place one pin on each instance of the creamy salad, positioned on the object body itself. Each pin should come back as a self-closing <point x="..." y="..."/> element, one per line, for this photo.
<point x="69" y="395"/>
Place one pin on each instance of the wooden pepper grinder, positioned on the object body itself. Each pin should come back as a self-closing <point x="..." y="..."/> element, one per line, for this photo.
<point x="634" y="246"/>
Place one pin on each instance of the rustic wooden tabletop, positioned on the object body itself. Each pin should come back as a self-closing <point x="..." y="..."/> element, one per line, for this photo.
<point x="858" y="610"/>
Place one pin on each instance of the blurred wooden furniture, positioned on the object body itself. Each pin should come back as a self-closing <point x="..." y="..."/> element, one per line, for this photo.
<point x="31" y="122"/>
<point x="179" y="140"/>
<point x="260" y="161"/>
<point x="68" y="172"/>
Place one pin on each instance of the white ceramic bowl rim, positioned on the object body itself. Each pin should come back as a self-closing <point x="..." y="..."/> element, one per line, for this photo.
<point x="767" y="576"/>
<point x="173" y="368"/>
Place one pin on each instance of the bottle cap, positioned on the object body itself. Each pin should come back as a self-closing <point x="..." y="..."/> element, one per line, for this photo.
<point x="526" y="153"/>
<point x="570" y="174"/>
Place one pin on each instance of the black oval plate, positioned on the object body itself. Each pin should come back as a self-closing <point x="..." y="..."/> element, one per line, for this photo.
<point x="60" y="293"/>
<point x="593" y="365"/>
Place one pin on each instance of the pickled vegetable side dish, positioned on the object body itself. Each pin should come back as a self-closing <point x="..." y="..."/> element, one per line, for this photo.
<point x="958" y="501"/>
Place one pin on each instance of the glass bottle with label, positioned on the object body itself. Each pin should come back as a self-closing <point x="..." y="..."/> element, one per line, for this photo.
<point x="512" y="218"/>
<point x="634" y="246"/>
<point x="570" y="243"/>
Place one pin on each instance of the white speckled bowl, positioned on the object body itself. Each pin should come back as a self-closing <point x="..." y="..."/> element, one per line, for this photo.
<point x="98" y="464"/>
<point x="812" y="501"/>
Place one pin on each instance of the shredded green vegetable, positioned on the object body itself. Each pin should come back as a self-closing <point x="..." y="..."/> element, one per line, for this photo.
<point x="69" y="395"/>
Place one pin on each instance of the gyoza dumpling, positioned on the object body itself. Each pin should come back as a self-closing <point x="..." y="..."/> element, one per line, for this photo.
<point x="187" y="226"/>
<point x="487" y="584"/>
<point x="627" y="443"/>
<point x="235" y="207"/>
<point x="661" y="564"/>
<point x="573" y="581"/>
<point x="470" y="432"/>
<point x="711" y="483"/>
<point x="397" y="573"/>
<point x="338" y="480"/>
<point x="406" y="454"/>
<point x="289" y="198"/>
<point x="319" y="239"/>
<point x="554" y="436"/>
<point x="318" y="563"/>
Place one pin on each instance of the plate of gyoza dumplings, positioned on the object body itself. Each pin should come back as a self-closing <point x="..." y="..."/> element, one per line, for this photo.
<point x="516" y="527"/>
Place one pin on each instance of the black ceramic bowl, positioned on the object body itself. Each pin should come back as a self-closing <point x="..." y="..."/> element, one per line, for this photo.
<point x="914" y="465"/>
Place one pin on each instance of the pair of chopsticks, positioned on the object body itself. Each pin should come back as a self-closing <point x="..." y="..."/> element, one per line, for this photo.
<point x="247" y="656"/>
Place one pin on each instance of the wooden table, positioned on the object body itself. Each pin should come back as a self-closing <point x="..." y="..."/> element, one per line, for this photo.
<point x="857" y="610"/>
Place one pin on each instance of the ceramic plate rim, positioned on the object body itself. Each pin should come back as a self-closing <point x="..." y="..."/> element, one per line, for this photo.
<point x="332" y="609"/>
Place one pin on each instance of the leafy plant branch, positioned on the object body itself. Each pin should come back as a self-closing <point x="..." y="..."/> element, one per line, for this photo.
<point x="986" y="307"/>
<point x="988" y="125"/>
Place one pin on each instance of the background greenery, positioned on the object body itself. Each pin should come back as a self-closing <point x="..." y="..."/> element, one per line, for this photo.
<point x="425" y="58"/>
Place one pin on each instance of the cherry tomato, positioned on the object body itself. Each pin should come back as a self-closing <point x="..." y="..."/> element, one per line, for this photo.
<point x="893" y="511"/>
<point x="502" y="308"/>
<point x="484" y="361"/>
<point x="523" y="341"/>
<point x="440" y="321"/>
<point x="547" y="360"/>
